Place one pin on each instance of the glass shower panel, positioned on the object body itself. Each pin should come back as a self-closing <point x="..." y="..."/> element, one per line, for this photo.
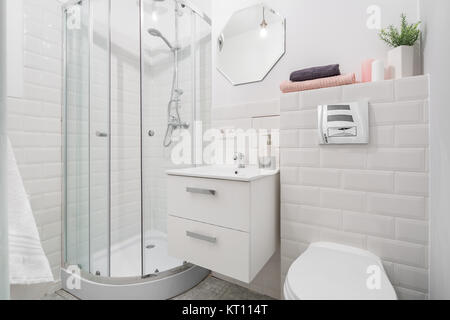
<point x="166" y="84"/>
<point x="99" y="138"/>
<point x="202" y="60"/>
<point x="174" y="55"/>
<point x="77" y="135"/>
<point x="126" y="235"/>
<point x="186" y="78"/>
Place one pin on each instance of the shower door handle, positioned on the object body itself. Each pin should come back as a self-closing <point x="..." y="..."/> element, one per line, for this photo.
<point x="101" y="134"/>
<point x="202" y="237"/>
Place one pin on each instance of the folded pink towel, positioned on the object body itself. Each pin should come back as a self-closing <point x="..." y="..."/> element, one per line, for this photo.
<point x="289" y="86"/>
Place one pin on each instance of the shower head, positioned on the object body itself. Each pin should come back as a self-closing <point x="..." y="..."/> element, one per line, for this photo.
<point x="156" y="33"/>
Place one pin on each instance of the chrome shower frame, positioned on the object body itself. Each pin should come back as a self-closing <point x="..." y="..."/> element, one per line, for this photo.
<point x="161" y="286"/>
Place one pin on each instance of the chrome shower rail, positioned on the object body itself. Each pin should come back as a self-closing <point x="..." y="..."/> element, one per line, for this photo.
<point x="196" y="10"/>
<point x="186" y="3"/>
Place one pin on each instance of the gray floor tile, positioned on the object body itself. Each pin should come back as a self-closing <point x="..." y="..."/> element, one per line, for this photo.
<point x="215" y="289"/>
<point x="52" y="296"/>
<point x="209" y="289"/>
<point x="59" y="295"/>
<point x="65" y="295"/>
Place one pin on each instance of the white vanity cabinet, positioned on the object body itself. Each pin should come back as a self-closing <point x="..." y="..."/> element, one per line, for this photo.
<point x="223" y="221"/>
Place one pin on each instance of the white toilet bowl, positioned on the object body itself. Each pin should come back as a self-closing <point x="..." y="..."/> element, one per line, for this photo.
<point x="329" y="271"/>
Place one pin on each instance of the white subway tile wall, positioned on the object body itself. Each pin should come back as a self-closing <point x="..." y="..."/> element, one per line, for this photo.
<point x="158" y="77"/>
<point x="375" y="196"/>
<point x="259" y="116"/>
<point x="34" y="122"/>
<point x="125" y="139"/>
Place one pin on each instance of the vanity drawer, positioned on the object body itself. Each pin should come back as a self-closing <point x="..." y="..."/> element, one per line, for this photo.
<point x="219" y="202"/>
<point x="223" y="250"/>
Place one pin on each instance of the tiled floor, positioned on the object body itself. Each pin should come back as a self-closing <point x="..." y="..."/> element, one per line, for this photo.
<point x="215" y="289"/>
<point x="210" y="289"/>
<point x="60" y="295"/>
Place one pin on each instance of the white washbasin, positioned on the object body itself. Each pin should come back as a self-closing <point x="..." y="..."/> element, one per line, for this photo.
<point x="223" y="173"/>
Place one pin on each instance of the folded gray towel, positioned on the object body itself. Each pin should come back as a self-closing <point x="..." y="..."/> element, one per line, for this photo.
<point x="316" y="73"/>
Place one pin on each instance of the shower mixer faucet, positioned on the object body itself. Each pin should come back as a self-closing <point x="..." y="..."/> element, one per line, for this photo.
<point x="178" y="124"/>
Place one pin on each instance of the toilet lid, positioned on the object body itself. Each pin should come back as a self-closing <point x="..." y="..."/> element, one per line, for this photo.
<point x="328" y="271"/>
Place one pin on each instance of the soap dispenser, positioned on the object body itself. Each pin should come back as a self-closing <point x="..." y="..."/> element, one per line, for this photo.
<point x="269" y="161"/>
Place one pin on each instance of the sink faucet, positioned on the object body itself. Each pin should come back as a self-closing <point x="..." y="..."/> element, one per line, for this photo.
<point x="239" y="159"/>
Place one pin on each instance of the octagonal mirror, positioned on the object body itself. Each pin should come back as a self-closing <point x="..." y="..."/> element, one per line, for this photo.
<point x="251" y="44"/>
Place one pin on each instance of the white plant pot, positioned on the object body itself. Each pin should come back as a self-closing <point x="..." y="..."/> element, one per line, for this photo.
<point x="401" y="62"/>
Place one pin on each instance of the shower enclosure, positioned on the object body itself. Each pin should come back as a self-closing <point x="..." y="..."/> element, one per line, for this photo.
<point x="137" y="76"/>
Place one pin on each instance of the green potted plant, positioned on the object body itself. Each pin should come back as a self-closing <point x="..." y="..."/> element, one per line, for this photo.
<point x="401" y="58"/>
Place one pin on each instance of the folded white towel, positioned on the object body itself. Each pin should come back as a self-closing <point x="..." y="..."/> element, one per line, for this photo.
<point x="27" y="260"/>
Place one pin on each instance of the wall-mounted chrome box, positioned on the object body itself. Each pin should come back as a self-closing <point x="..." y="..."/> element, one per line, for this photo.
<point x="344" y="123"/>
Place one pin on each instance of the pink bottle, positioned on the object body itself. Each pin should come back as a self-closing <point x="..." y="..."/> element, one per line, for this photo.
<point x="366" y="70"/>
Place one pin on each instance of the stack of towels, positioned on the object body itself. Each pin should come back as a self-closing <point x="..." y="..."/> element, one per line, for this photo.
<point x="317" y="78"/>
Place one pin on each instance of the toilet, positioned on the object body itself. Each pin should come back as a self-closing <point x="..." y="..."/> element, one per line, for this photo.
<point x="329" y="271"/>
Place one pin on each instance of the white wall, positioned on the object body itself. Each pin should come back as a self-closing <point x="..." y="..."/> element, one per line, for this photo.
<point x="4" y="266"/>
<point x="15" y="48"/>
<point x="436" y="63"/>
<point x="34" y="121"/>
<point x="372" y="196"/>
<point x="318" y="32"/>
<point x="263" y="117"/>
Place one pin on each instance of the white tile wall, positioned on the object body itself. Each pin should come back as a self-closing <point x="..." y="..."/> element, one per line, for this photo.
<point x="34" y="122"/>
<point x="157" y="77"/>
<point x="258" y="115"/>
<point x="375" y="196"/>
<point x="263" y="115"/>
<point x="125" y="137"/>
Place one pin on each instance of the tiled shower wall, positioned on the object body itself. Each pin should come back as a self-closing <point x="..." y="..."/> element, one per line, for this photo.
<point x="125" y="116"/>
<point x="157" y="85"/>
<point x="373" y="196"/>
<point x="125" y="135"/>
<point x="34" y="122"/>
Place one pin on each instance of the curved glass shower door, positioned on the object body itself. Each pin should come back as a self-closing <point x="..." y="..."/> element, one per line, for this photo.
<point x="87" y="136"/>
<point x="102" y="144"/>
<point x="126" y="179"/>
<point x="77" y="136"/>
<point x="132" y="69"/>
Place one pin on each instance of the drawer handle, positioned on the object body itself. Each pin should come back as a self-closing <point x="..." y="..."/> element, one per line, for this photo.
<point x="201" y="191"/>
<point x="200" y="237"/>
